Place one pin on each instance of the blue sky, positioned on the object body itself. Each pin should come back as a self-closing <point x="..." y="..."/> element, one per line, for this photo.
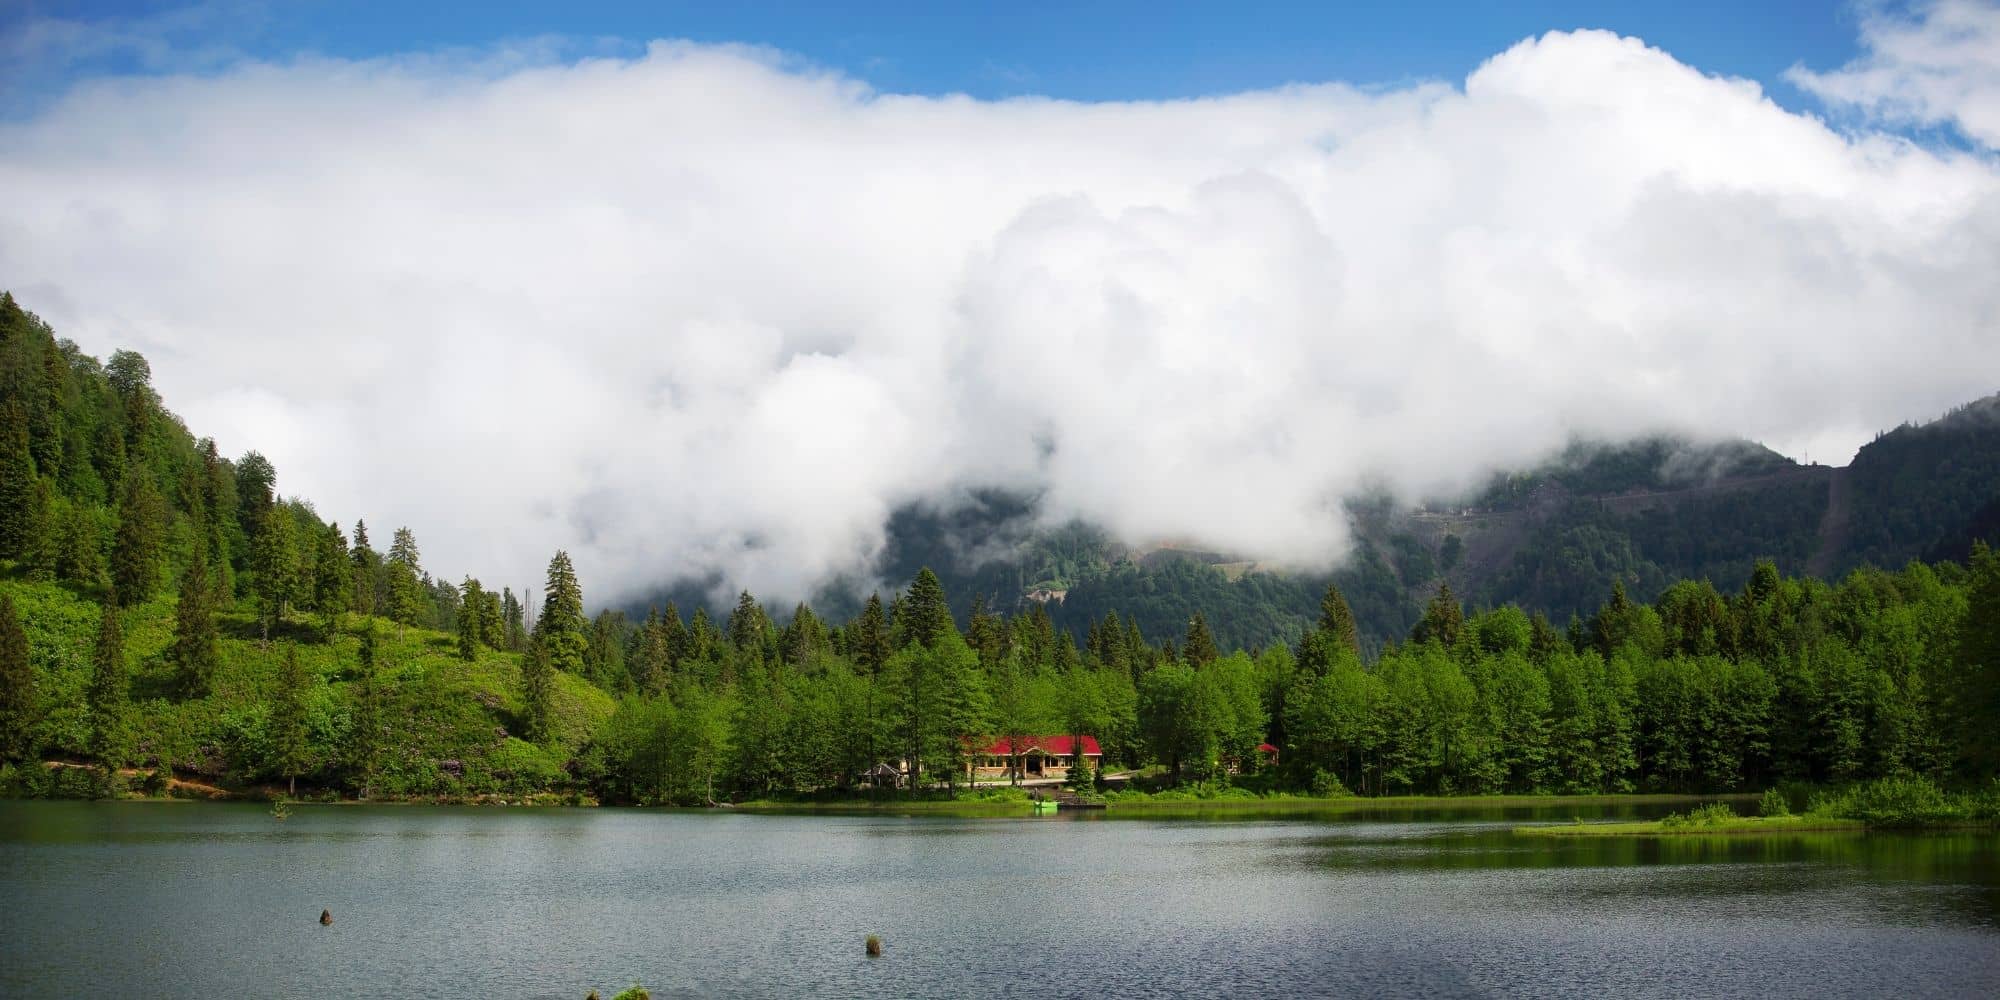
<point x="1091" y="51"/>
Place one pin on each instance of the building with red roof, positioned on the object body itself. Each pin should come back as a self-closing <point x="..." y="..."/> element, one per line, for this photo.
<point x="1033" y="757"/>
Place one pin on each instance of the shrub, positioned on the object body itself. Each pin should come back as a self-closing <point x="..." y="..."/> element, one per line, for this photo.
<point x="1774" y="803"/>
<point x="634" y="992"/>
<point x="1326" y="786"/>
<point x="1712" y="814"/>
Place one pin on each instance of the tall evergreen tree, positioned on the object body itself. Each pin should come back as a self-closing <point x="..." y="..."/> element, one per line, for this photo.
<point x="333" y="582"/>
<point x="537" y="689"/>
<point x="405" y="589"/>
<point x="869" y="641"/>
<point x="365" y="563"/>
<point x="469" y="614"/>
<point x="562" y="629"/>
<point x="196" y="649"/>
<point x="366" y="735"/>
<point x="291" y="745"/>
<point x="746" y="625"/>
<point x="924" y="615"/>
<point x="1443" y="620"/>
<point x="277" y="566"/>
<point x="1199" y="648"/>
<point x="17" y="483"/>
<point x="1337" y="620"/>
<point x="107" y="693"/>
<point x="1978" y="657"/>
<point x="256" y="493"/>
<point x="17" y="686"/>
<point x="135" y="560"/>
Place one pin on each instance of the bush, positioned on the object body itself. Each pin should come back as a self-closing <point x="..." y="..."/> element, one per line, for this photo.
<point x="634" y="992"/>
<point x="1326" y="786"/>
<point x="1712" y="814"/>
<point x="1893" y="802"/>
<point x="1774" y="803"/>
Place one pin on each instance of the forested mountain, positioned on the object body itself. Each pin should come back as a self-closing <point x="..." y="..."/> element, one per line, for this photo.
<point x="1549" y="539"/>
<point x="164" y="607"/>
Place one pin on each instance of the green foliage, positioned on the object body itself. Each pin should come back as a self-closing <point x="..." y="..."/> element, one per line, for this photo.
<point x="1712" y="814"/>
<point x="17" y="686"/>
<point x="1774" y="803"/>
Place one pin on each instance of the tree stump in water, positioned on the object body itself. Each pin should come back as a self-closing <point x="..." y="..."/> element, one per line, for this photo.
<point x="326" y="918"/>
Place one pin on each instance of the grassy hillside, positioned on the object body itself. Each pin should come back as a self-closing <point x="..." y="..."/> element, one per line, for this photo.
<point x="436" y="709"/>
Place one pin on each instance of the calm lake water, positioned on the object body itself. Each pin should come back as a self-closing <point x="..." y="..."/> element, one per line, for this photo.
<point x="138" y="899"/>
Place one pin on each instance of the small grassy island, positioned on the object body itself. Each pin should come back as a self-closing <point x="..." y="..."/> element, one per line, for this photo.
<point x="1883" y="804"/>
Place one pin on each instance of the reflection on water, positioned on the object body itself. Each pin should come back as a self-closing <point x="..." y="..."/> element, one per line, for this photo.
<point x="149" y="899"/>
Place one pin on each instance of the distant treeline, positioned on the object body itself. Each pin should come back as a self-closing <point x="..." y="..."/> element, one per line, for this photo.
<point x="161" y="605"/>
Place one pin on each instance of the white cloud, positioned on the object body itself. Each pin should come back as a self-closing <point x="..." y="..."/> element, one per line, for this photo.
<point x="1935" y="65"/>
<point x="707" y="311"/>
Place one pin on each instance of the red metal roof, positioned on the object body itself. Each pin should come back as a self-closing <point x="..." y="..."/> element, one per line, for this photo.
<point x="1060" y="746"/>
<point x="1266" y="748"/>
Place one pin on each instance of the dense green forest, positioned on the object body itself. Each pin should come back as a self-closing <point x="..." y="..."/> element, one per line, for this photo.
<point x="163" y="607"/>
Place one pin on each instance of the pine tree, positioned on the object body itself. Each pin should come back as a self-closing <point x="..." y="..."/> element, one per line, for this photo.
<point x="870" y="639"/>
<point x="256" y="493"/>
<point x="405" y="590"/>
<point x="196" y="649"/>
<point x="17" y="686"/>
<point x="537" y="690"/>
<point x="363" y="563"/>
<point x="510" y="620"/>
<point x="1978" y="657"/>
<point x="17" y="484"/>
<point x="332" y="579"/>
<point x="469" y="613"/>
<point x="107" y="693"/>
<point x="561" y="629"/>
<point x="925" y="615"/>
<point x="291" y="747"/>
<point x="746" y="625"/>
<point x="365" y="734"/>
<point x="135" y="560"/>
<point x="277" y="562"/>
<point x="1200" y="643"/>
<point x="1337" y="620"/>
<point x="1443" y="619"/>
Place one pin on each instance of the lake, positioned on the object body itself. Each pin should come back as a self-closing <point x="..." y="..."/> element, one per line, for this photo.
<point x="203" y="900"/>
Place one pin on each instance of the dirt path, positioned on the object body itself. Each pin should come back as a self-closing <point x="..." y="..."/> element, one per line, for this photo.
<point x="1835" y="526"/>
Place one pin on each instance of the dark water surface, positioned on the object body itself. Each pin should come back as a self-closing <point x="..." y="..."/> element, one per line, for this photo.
<point x="137" y="899"/>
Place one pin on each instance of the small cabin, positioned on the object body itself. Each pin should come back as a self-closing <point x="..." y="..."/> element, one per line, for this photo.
<point x="1034" y="757"/>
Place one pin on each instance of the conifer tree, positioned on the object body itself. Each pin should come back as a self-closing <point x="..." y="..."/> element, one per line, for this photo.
<point x="1979" y="659"/>
<point x="17" y="484"/>
<point x="363" y="564"/>
<point x="332" y="578"/>
<point x="135" y="560"/>
<point x="470" y="611"/>
<point x="291" y="748"/>
<point x="196" y="649"/>
<point x="17" y="686"/>
<point x="106" y="695"/>
<point x="365" y="733"/>
<point x="1337" y="620"/>
<point x="1443" y="620"/>
<point x="746" y="625"/>
<point x="1200" y="643"/>
<point x="277" y="562"/>
<point x="405" y="591"/>
<point x="870" y="639"/>
<point x="256" y="494"/>
<point x="680" y="642"/>
<point x="924" y="616"/>
<point x="562" y="629"/>
<point x="510" y="620"/>
<point x="537" y="689"/>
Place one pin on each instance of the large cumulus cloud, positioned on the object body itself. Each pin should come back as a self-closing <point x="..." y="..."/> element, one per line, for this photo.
<point x="705" y="311"/>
